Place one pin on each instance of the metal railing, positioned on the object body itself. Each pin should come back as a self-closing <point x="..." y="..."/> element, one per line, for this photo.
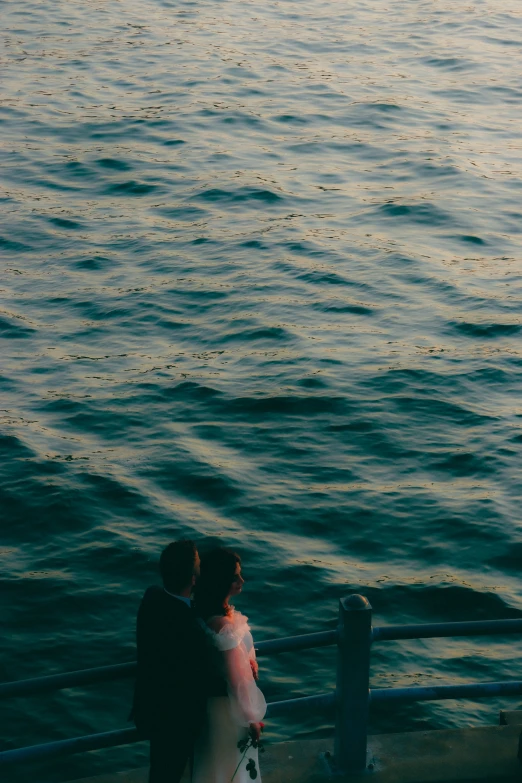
<point x="353" y="694"/>
<point x="351" y="698"/>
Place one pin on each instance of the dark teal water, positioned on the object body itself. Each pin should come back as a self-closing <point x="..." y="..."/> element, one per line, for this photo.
<point x="261" y="284"/>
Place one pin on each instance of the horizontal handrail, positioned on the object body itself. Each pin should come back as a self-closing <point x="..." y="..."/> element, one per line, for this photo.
<point x="270" y="647"/>
<point x="433" y="692"/>
<point x="305" y="641"/>
<point x="434" y="630"/>
<point x="111" y="739"/>
<point x="53" y="682"/>
<point x="319" y="702"/>
<point x="274" y="709"/>
<point x="108" y="739"/>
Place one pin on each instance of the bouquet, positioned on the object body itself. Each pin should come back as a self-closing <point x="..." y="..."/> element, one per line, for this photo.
<point x="244" y="746"/>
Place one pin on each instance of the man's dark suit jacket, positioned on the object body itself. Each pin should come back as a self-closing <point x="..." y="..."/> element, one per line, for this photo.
<point x="176" y="668"/>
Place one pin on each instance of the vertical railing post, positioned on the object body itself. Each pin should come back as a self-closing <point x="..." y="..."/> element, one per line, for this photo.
<point x="353" y="674"/>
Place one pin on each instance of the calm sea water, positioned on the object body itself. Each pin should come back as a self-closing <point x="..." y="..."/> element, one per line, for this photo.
<point x="261" y="284"/>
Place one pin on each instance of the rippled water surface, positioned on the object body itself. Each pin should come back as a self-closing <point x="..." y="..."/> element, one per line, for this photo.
<point x="261" y="282"/>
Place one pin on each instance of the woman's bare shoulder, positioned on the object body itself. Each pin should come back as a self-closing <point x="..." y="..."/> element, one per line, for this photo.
<point x="217" y="623"/>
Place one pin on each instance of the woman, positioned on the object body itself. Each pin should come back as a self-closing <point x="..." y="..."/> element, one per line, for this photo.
<point x="234" y="718"/>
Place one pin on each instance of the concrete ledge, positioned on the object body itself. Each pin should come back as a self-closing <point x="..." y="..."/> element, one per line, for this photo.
<point x="133" y="776"/>
<point x="487" y="753"/>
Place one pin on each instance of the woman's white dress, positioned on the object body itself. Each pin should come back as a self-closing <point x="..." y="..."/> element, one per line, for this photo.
<point x="216" y="755"/>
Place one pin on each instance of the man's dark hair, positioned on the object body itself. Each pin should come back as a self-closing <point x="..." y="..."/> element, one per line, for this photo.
<point x="177" y="563"/>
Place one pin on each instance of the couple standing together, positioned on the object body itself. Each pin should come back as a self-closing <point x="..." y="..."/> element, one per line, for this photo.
<point x="196" y="695"/>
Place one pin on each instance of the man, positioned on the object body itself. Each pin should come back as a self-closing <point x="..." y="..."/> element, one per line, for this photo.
<point x="174" y="665"/>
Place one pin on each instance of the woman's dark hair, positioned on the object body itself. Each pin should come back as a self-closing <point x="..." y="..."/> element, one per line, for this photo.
<point x="218" y="570"/>
<point x="177" y="565"/>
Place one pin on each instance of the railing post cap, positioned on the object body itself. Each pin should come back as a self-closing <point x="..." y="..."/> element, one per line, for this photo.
<point x="355" y="602"/>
